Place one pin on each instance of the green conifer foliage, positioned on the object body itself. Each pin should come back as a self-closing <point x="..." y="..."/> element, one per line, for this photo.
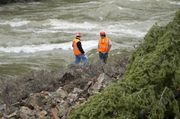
<point x="147" y="89"/>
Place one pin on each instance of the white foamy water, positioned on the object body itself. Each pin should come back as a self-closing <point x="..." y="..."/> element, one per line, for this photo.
<point x="87" y="45"/>
<point x="132" y="32"/>
<point x="60" y="24"/>
<point x="120" y="8"/>
<point x="123" y="30"/>
<point x="3" y="63"/>
<point x="15" y="23"/>
<point x="174" y="2"/>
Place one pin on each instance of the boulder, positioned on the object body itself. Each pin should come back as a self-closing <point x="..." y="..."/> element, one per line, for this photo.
<point x="101" y="82"/>
<point x="34" y="101"/>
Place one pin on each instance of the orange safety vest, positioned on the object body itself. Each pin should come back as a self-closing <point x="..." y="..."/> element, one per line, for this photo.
<point x="75" y="47"/>
<point x="103" y="45"/>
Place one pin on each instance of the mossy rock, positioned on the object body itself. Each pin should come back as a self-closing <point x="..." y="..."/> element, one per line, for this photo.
<point x="147" y="90"/>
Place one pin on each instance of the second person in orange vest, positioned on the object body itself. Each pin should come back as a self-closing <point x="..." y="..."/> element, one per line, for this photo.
<point x="104" y="47"/>
<point x="78" y="50"/>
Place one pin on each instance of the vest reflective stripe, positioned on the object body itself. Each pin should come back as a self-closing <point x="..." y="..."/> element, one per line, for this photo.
<point x="75" y="48"/>
<point x="103" y="45"/>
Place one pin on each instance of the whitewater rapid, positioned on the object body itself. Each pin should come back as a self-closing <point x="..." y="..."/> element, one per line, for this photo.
<point x="87" y="45"/>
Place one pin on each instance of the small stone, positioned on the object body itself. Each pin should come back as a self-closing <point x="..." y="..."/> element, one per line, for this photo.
<point x="82" y="99"/>
<point x="26" y="113"/>
<point x="72" y="96"/>
<point x="42" y="114"/>
<point x="77" y="90"/>
<point x="61" y="92"/>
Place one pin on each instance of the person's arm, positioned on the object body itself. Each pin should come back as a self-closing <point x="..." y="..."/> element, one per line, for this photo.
<point x="73" y="44"/>
<point x="109" y="45"/>
<point x="98" y="46"/>
<point x="80" y="47"/>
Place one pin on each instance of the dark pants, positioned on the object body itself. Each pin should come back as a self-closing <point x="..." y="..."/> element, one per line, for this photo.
<point x="103" y="57"/>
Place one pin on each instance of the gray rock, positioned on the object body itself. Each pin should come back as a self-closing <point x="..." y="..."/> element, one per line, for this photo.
<point x="35" y="101"/>
<point x="72" y="97"/>
<point x="102" y="81"/>
<point x="61" y="92"/>
<point x="26" y="113"/>
<point x="42" y="114"/>
<point x="77" y="90"/>
<point x="97" y="86"/>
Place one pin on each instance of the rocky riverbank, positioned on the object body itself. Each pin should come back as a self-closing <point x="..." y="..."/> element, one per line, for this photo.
<point x="50" y="95"/>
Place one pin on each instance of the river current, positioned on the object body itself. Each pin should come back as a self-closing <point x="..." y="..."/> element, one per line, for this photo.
<point x="38" y="35"/>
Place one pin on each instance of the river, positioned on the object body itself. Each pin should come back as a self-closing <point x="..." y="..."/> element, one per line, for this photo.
<point x="38" y="35"/>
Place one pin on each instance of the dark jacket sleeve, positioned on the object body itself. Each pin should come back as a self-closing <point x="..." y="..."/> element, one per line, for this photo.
<point x="80" y="47"/>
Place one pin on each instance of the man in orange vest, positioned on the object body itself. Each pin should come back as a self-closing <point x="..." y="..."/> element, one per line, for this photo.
<point x="78" y="50"/>
<point x="104" y="47"/>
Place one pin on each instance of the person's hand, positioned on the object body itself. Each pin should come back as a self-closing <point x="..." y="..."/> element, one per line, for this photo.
<point x="84" y="55"/>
